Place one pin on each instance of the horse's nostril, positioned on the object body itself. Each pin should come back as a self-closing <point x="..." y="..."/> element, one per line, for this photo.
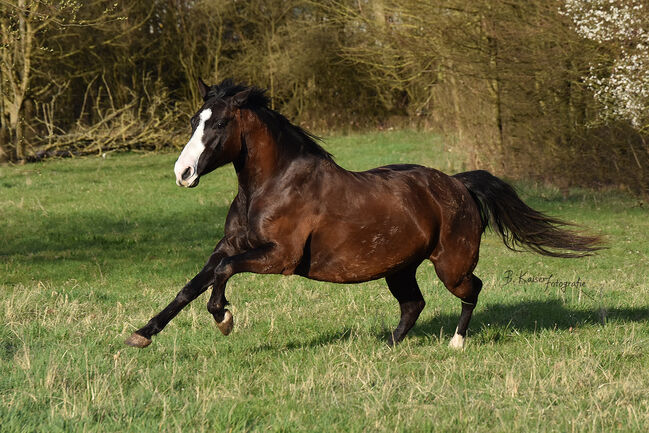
<point x="186" y="173"/>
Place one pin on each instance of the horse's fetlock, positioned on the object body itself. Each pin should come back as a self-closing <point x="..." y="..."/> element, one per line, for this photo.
<point x="215" y="307"/>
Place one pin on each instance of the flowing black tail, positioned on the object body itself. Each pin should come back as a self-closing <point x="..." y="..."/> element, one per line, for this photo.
<point x="519" y="225"/>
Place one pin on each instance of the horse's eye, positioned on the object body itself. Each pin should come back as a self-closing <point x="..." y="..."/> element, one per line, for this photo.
<point x="220" y="124"/>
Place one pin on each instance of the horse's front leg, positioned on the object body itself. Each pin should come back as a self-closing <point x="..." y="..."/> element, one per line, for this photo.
<point x="216" y="306"/>
<point x="268" y="259"/>
<point x="197" y="285"/>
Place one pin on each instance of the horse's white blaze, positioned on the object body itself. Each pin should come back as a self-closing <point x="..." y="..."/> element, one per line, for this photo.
<point x="457" y="342"/>
<point x="192" y="152"/>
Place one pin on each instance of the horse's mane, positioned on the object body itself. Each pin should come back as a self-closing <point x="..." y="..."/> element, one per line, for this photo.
<point x="259" y="103"/>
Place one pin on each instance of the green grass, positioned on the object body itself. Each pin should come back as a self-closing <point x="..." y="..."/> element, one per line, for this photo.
<point x="91" y="248"/>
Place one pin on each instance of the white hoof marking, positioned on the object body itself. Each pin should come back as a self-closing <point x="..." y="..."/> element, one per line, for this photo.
<point x="457" y="342"/>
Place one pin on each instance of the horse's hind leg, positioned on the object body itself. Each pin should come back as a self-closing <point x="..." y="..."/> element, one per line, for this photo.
<point x="403" y="286"/>
<point x="454" y="266"/>
<point x="473" y="287"/>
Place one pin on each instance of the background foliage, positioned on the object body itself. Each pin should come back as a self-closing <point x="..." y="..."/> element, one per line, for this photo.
<point x="531" y="88"/>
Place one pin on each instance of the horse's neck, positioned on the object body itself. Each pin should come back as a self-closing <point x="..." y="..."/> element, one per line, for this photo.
<point x="261" y="158"/>
<point x="265" y="157"/>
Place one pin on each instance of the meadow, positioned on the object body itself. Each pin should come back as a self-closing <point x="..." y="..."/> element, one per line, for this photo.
<point x="91" y="248"/>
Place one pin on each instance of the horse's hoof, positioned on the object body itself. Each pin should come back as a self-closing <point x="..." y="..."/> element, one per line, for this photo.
<point x="457" y="342"/>
<point x="226" y="325"/>
<point x="136" y="340"/>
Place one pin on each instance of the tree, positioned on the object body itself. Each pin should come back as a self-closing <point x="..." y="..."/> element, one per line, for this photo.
<point x="39" y="38"/>
<point x="619" y="80"/>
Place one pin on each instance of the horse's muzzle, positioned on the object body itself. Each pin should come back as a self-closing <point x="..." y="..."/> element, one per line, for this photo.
<point x="186" y="184"/>
<point x="188" y="178"/>
<point x="186" y="174"/>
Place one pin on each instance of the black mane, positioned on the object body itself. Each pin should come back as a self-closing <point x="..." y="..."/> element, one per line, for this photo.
<point x="259" y="103"/>
<point x="228" y="88"/>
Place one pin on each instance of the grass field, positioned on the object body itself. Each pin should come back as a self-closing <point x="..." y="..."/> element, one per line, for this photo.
<point x="91" y="248"/>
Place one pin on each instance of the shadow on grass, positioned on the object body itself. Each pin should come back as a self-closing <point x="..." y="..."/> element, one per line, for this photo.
<point x="490" y="323"/>
<point x="109" y="236"/>
<point x="322" y="339"/>
<point x="88" y="245"/>
<point x="528" y="317"/>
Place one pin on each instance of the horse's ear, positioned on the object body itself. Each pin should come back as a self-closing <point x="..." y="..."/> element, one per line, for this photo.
<point x="240" y="99"/>
<point x="202" y="88"/>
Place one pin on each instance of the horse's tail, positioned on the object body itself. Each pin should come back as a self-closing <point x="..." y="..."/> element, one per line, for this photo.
<point x="519" y="225"/>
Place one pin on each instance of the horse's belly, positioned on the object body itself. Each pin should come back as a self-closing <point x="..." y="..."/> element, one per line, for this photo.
<point x="356" y="254"/>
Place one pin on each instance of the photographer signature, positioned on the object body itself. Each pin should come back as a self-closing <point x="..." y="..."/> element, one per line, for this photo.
<point x="547" y="281"/>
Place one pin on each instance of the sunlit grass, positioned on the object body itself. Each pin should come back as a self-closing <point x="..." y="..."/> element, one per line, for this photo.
<point x="91" y="248"/>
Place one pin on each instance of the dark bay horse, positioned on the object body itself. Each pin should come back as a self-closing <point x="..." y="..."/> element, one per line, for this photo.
<point x="298" y="212"/>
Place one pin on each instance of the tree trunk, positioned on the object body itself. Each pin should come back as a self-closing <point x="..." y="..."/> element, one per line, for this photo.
<point x="16" y="67"/>
<point x="4" y="151"/>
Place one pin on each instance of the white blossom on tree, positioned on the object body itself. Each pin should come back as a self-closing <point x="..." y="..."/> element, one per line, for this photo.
<point x="623" y="27"/>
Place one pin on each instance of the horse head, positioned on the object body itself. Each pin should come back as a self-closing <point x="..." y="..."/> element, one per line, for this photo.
<point x="216" y="131"/>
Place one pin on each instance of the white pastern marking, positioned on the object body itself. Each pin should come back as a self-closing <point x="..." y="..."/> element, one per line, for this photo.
<point x="192" y="150"/>
<point x="457" y="342"/>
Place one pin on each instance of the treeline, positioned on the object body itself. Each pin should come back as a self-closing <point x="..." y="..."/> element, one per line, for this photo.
<point x="522" y="87"/>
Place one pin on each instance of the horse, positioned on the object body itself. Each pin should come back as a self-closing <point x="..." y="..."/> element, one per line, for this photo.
<point x="297" y="212"/>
